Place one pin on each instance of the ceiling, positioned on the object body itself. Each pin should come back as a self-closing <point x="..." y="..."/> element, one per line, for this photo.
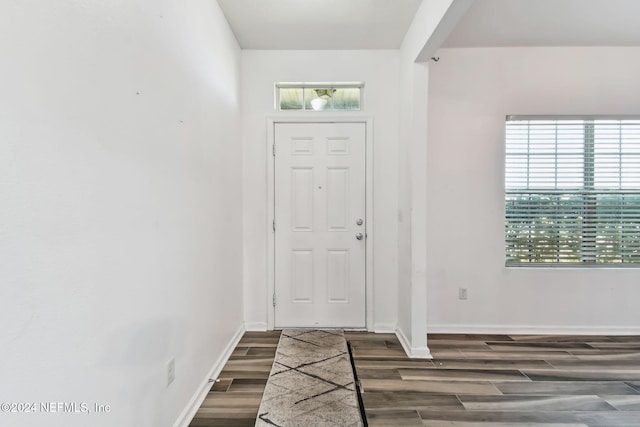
<point x="548" y="23"/>
<point x="382" y="24"/>
<point x="319" y="24"/>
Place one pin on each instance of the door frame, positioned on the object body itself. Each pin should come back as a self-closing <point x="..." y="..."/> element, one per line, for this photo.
<point x="305" y="118"/>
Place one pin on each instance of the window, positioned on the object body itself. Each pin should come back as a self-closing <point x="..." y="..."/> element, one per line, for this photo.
<point x="572" y="191"/>
<point x="319" y="96"/>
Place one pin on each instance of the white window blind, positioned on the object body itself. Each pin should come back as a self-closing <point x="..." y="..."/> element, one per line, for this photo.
<point x="572" y="191"/>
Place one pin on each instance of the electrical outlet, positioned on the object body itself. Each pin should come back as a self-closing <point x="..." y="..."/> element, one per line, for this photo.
<point x="462" y="293"/>
<point x="171" y="371"/>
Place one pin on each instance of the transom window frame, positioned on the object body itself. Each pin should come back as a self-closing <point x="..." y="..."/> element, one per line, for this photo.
<point x="328" y="86"/>
<point x="594" y="207"/>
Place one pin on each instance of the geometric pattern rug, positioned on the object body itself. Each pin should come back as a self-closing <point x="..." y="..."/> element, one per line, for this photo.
<point x="311" y="382"/>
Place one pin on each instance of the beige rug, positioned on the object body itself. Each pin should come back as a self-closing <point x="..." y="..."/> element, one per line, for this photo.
<point x="311" y="382"/>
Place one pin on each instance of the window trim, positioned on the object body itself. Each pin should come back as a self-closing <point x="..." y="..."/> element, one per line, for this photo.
<point x="564" y="265"/>
<point x="317" y="85"/>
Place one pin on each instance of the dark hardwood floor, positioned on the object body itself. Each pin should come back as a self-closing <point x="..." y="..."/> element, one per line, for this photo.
<point x="234" y="400"/>
<point x="472" y="381"/>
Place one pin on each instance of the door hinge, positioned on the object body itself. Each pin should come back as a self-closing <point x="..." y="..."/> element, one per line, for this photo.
<point x="274" y="149"/>
<point x="274" y="299"/>
<point x="274" y="224"/>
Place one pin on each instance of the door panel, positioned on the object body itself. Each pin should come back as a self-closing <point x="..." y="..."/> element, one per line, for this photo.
<point x="337" y="199"/>
<point x="302" y="199"/>
<point x="319" y="198"/>
<point x="338" y="276"/>
<point x="302" y="276"/>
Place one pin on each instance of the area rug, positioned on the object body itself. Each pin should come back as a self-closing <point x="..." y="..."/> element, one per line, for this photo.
<point x="311" y="382"/>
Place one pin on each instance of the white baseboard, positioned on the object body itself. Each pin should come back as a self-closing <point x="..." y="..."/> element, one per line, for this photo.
<point x="201" y="393"/>
<point x="412" y="352"/>
<point x="256" y="326"/>
<point x="533" y="330"/>
<point x="384" y="328"/>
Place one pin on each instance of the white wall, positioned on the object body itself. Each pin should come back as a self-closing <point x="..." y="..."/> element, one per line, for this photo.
<point x="471" y="92"/>
<point x="120" y="193"/>
<point x="260" y="71"/>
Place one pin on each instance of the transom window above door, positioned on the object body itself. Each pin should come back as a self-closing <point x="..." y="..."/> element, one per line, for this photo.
<point x="319" y="96"/>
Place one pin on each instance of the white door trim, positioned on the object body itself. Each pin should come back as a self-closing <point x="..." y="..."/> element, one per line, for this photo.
<point x="369" y="220"/>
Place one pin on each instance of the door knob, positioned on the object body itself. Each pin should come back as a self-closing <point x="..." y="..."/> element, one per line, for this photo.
<point x="359" y="221"/>
<point x="359" y="236"/>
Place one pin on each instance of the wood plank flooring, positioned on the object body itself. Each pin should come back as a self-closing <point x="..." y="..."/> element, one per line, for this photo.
<point x="473" y="381"/>
<point x="234" y="401"/>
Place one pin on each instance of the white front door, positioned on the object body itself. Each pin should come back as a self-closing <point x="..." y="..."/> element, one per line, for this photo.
<point x="320" y="223"/>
